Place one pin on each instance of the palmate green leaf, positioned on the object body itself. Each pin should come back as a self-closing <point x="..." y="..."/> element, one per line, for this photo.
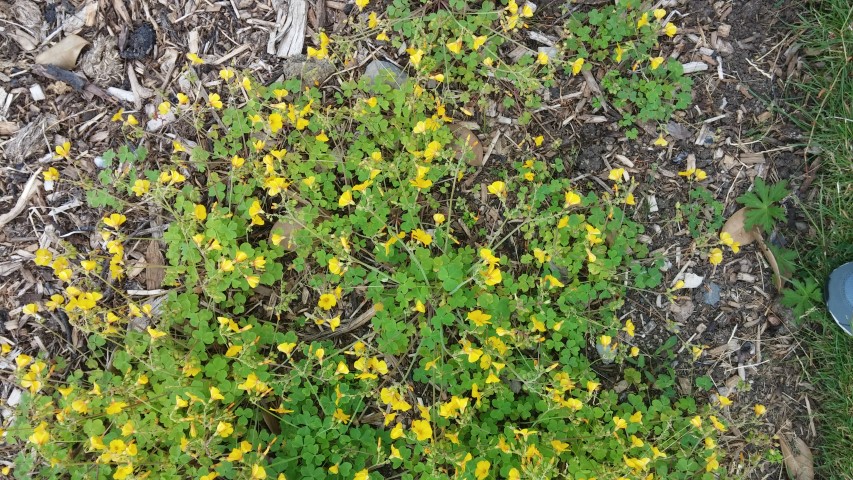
<point x="761" y="202"/>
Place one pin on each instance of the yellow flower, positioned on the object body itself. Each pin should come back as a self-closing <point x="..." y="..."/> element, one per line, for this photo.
<point x="481" y="471"/>
<point x="224" y="429"/>
<point x="327" y="301"/>
<point x="620" y="423"/>
<point x="605" y="340"/>
<point x="572" y="198"/>
<point x="115" y="220"/>
<point x="577" y="65"/>
<point x="655" y="62"/>
<point x="372" y="21"/>
<point x="117" y="116"/>
<point x="341" y="416"/>
<point x="643" y="21"/>
<point x="678" y="285"/>
<point x="183" y="99"/>
<point x="253" y="280"/>
<point x="422" y="429"/>
<point x="214" y="100"/>
<point x="542" y="58"/>
<point x="195" y="59"/>
<point x="363" y="474"/>
<point x="439" y="218"/>
<point x="258" y="472"/>
<point x="591" y="386"/>
<point x="712" y="464"/>
<point x="421" y="236"/>
<point x="636" y="463"/>
<point x="659" y="13"/>
<point x="415" y="55"/>
<point x="30" y="309"/>
<point x="636" y="417"/>
<point x="700" y="174"/>
<point x="233" y="350"/>
<point x="716" y="256"/>
<point x="619" y="51"/>
<point x="726" y="239"/>
<point x="346" y="199"/>
<point x="64" y="150"/>
<point x="200" y="212"/>
<point x="421" y="183"/>
<point x="616" y="174"/>
<point x="540" y="255"/>
<point x="382" y="37"/>
<point x="635" y="351"/>
<point x="132" y="121"/>
<point x="759" y="410"/>
<point x="215" y="394"/>
<point x="724" y="400"/>
<point x="43" y="257"/>
<point x="335" y="266"/>
<point x="276" y="122"/>
<point x="361" y="4"/>
<point x="155" y="334"/>
<point x="492" y="276"/>
<point x="226" y="74"/>
<point x="247" y="84"/>
<point x="670" y="30"/>
<point x="661" y="142"/>
<point x="478" y="41"/>
<point x="51" y="175"/>
<point x="40" y="435"/>
<point x="115" y="407"/>
<point x="629" y="327"/>
<point x="479" y="318"/>
<point x="719" y="426"/>
<point x="455" y="46"/>
<point x="497" y="188"/>
<point x="123" y="472"/>
<point x="163" y="108"/>
<point x="321" y="137"/>
<point x="141" y="187"/>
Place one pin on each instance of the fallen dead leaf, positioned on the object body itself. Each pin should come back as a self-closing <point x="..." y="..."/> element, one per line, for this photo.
<point x="735" y="226"/>
<point x="64" y="54"/>
<point x="464" y="135"/>
<point x="798" y="460"/>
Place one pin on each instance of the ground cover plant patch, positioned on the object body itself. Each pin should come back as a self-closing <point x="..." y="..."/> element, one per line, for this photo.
<point x="440" y="239"/>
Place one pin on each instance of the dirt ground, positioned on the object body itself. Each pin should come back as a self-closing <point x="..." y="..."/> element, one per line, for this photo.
<point x="733" y="131"/>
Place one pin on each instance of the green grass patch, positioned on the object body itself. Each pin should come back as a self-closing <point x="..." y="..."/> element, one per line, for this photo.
<point x="827" y="36"/>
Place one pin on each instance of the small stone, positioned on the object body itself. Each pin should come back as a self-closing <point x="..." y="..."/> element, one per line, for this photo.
<point x="309" y="70"/>
<point x="385" y="72"/>
<point x="682" y="309"/>
<point x="607" y="353"/>
<point x="711" y="294"/>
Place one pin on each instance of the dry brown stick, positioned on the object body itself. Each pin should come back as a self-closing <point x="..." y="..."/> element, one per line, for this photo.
<point x="352" y="325"/>
<point x="53" y="72"/>
<point x="21" y="204"/>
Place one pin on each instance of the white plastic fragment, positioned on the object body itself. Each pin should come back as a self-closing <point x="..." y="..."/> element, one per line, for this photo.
<point x="37" y="93"/>
<point x="691" y="280"/>
<point x="693" y="67"/>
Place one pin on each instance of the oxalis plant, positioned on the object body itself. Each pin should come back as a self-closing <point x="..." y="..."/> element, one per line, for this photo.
<point x="341" y="305"/>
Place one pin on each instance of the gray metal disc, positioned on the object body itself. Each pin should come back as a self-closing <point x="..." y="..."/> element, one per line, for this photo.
<point x="839" y="296"/>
